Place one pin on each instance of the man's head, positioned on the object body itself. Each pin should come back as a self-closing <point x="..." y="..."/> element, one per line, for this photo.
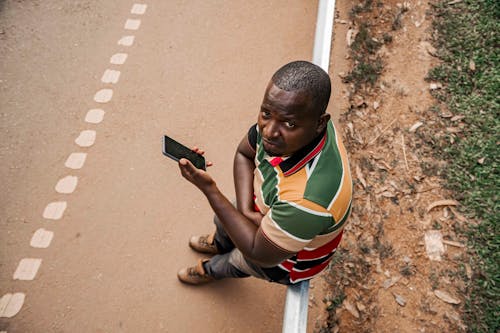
<point x="293" y="109"/>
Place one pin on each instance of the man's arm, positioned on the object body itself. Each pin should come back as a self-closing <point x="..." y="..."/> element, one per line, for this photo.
<point x="243" y="168"/>
<point x="247" y="236"/>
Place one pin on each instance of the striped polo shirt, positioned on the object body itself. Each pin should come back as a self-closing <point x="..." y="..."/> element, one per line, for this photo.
<point x="305" y="199"/>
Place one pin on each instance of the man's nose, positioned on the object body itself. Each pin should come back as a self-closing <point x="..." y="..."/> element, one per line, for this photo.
<point x="271" y="129"/>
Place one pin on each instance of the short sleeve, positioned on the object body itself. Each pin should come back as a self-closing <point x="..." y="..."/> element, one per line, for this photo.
<point x="252" y="136"/>
<point x="291" y="226"/>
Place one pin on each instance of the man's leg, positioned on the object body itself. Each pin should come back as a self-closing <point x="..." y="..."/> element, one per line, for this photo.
<point x="216" y="243"/>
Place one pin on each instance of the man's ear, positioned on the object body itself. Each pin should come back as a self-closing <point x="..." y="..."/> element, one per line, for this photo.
<point x="322" y="122"/>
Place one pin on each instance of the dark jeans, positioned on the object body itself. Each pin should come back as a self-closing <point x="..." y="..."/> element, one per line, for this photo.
<point x="232" y="264"/>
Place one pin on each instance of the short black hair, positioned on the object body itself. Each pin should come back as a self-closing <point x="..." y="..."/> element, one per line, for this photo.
<point x="308" y="77"/>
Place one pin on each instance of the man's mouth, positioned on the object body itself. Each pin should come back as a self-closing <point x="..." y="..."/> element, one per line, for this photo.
<point x="271" y="143"/>
<point x="272" y="148"/>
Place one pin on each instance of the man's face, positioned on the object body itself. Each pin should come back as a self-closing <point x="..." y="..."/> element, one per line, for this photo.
<point x="286" y="121"/>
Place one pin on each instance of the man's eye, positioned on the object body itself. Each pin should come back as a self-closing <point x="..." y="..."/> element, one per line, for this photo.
<point x="266" y="114"/>
<point x="289" y="124"/>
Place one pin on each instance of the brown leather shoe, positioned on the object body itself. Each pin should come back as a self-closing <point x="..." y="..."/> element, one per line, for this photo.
<point x="195" y="275"/>
<point x="204" y="244"/>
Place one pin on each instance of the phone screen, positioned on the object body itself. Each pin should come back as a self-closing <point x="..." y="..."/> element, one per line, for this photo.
<point x="176" y="151"/>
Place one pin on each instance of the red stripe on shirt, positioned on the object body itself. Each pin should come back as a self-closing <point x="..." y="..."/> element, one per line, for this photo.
<point x="296" y="275"/>
<point x="308" y="157"/>
<point x="320" y="251"/>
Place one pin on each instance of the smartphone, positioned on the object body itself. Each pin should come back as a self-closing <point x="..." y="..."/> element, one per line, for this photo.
<point x="176" y="151"/>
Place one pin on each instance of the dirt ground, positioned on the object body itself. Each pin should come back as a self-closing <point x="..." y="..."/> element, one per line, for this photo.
<point x="384" y="279"/>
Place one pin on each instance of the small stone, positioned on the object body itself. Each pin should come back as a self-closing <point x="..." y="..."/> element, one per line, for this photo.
<point x="399" y="299"/>
<point x="435" y="86"/>
<point x="434" y="244"/>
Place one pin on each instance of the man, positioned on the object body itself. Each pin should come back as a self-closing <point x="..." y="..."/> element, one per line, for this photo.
<point x="293" y="188"/>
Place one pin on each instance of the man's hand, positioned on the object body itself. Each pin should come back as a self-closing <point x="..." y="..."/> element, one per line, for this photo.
<point x="200" y="178"/>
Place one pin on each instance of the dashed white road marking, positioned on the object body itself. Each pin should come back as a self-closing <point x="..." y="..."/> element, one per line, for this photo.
<point x="94" y="116"/>
<point x="86" y="138"/>
<point x="118" y="58"/>
<point x="110" y="76"/>
<point x="11" y="304"/>
<point x="126" y="41"/>
<point x="139" y="8"/>
<point x="41" y="238"/>
<point x="27" y="269"/>
<point x="103" y="95"/>
<point x="132" y="24"/>
<point x="75" y="160"/>
<point x="55" y="210"/>
<point x="66" y="185"/>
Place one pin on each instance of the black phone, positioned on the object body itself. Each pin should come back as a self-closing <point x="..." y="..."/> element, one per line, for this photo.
<point x="176" y="151"/>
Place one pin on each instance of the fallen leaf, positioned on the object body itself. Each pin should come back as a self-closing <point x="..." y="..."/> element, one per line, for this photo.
<point x="350" y="36"/>
<point x="481" y="160"/>
<point x="350" y="126"/>
<point x="415" y="126"/>
<point x="388" y="194"/>
<point x="453" y="130"/>
<point x="455" y="118"/>
<point x="361" y="307"/>
<point x="458" y="216"/>
<point x="444" y="296"/>
<point x="359" y="174"/>
<point x="454" y="2"/>
<point x="382" y="189"/>
<point x="383" y="166"/>
<point x="442" y="203"/>
<point x="349" y="307"/>
<point x="376" y="105"/>
<point x="452" y="243"/>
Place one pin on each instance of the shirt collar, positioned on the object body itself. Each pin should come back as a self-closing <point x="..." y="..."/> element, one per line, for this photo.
<point x="291" y="164"/>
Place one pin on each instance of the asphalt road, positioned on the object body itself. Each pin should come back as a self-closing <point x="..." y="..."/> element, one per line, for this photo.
<point x="195" y="70"/>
